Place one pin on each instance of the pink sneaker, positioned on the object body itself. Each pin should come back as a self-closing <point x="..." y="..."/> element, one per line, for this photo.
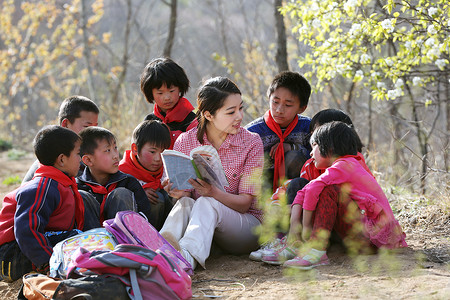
<point x="307" y="262"/>
<point x="280" y="255"/>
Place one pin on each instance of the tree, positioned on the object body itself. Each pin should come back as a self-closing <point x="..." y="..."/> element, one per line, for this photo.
<point x="399" y="51"/>
<point x="172" y="25"/>
<point x="281" y="55"/>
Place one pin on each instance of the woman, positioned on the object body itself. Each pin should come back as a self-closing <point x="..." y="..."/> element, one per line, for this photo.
<point x="229" y="216"/>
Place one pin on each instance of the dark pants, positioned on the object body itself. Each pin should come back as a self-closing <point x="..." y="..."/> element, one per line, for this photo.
<point x="161" y="210"/>
<point x="293" y="161"/>
<point x="293" y="187"/>
<point x="119" y="199"/>
<point x="14" y="264"/>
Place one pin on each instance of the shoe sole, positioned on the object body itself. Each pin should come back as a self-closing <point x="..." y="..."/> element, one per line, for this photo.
<point x="273" y="262"/>
<point x="306" y="268"/>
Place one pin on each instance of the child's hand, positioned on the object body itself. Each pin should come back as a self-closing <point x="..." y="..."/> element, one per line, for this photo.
<point x="174" y="193"/>
<point x="151" y="195"/>
<point x="202" y="187"/>
<point x="286" y="147"/>
<point x="306" y="233"/>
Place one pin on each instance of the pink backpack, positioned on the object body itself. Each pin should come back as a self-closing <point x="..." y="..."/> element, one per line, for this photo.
<point x="150" y="274"/>
<point x="129" y="227"/>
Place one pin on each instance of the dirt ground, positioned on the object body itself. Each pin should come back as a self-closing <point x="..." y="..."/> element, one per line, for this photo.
<point x="421" y="271"/>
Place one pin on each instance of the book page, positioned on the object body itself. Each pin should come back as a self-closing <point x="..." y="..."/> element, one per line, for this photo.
<point x="209" y="165"/>
<point x="178" y="168"/>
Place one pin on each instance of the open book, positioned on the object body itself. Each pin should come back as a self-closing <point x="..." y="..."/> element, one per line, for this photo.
<point x="203" y="162"/>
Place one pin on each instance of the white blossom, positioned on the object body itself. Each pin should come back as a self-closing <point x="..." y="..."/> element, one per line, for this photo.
<point x="387" y="25"/>
<point x="316" y="23"/>
<point x="432" y="11"/>
<point x="365" y="58"/>
<point x="381" y="85"/>
<point x="408" y="45"/>
<point x="432" y="29"/>
<point x="342" y="68"/>
<point x="399" y="83"/>
<point x="350" y="4"/>
<point x="392" y="94"/>
<point x="440" y="63"/>
<point x="356" y="28"/>
<point x="326" y="44"/>
<point x="389" y="62"/>
<point x="359" y="75"/>
<point x="433" y="52"/>
<point x="417" y="80"/>
<point x="430" y="42"/>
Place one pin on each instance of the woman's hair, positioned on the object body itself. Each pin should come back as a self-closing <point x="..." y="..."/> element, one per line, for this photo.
<point x="329" y="115"/>
<point x="53" y="140"/>
<point x="211" y="97"/>
<point x="163" y="71"/>
<point x="154" y="132"/>
<point x="336" y="139"/>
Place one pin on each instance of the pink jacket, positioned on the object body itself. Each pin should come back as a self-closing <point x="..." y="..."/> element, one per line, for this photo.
<point x="381" y="226"/>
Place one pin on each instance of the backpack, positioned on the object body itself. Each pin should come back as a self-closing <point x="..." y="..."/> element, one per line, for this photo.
<point x="94" y="239"/>
<point x="39" y="287"/>
<point x="149" y="274"/>
<point x="129" y="227"/>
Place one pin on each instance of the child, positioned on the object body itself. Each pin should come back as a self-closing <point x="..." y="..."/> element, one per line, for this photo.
<point x="49" y="202"/>
<point x="103" y="187"/>
<point x="75" y="113"/>
<point x="143" y="161"/>
<point x="282" y="129"/>
<point x="165" y="83"/>
<point x="344" y="198"/>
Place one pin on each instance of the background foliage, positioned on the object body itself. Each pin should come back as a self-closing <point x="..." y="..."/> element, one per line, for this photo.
<point x="384" y="62"/>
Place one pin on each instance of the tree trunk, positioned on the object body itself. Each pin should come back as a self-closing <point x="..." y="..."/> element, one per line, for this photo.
<point x="281" y="55"/>
<point x="86" y="51"/>
<point x="172" y="25"/>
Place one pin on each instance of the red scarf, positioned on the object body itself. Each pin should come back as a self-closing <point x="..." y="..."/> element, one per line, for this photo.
<point x="63" y="179"/>
<point x="177" y="114"/>
<point x="100" y="189"/>
<point x="130" y="165"/>
<point x="279" y="167"/>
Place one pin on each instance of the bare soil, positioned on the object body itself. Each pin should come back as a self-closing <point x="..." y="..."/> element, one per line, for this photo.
<point x="421" y="271"/>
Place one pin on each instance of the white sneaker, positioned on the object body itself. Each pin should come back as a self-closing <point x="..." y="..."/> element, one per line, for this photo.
<point x="265" y="249"/>
<point x="187" y="256"/>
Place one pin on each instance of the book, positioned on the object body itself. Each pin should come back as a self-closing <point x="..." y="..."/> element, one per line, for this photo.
<point x="203" y="162"/>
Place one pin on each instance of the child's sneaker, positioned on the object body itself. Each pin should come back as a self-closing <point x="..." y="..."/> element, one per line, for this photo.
<point x="280" y="255"/>
<point x="265" y="249"/>
<point x="309" y="261"/>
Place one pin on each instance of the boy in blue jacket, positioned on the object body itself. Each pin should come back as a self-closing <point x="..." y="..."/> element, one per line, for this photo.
<point x="105" y="189"/>
<point x="46" y="209"/>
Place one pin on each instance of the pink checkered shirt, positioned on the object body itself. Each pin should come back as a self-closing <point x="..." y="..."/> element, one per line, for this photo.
<point x="242" y="157"/>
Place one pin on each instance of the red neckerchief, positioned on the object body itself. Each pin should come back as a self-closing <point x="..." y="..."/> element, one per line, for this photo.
<point x="130" y="165"/>
<point x="100" y="189"/>
<point x="279" y="167"/>
<point x="61" y="178"/>
<point x="177" y="114"/>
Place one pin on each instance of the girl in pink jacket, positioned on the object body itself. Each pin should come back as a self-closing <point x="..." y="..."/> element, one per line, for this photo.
<point x="345" y="198"/>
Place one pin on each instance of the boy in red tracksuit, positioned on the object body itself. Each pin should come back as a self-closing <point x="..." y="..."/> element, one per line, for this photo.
<point x="45" y="210"/>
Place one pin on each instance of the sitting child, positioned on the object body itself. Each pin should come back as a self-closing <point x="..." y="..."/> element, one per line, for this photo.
<point x="283" y="130"/>
<point x="143" y="161"/>
<point x="106" y="190"/>
<point x="34" y="214"/>
<point x="345" y="198"/>
<point x="75" y="113"/>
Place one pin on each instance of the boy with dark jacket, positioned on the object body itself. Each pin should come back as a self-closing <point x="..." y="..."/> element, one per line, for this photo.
<point x="105" y="189"/>
<point x="45" y="210"/>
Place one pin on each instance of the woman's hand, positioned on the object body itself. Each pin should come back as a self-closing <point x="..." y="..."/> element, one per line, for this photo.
<point x="202" y="187"/>
<point x="174" y="193"/>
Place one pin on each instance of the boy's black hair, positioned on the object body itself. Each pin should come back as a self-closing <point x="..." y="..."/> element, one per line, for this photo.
<point x="161" y="71"/>
<point x="336" y="139"/>
<point x="72" y="106"/>
<point x="53" y="140"/>
<point x="154" y="132"/>
<point x="295" y="83"/>
<point x="330" y="115"/>
<point x="90" y="136"/>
